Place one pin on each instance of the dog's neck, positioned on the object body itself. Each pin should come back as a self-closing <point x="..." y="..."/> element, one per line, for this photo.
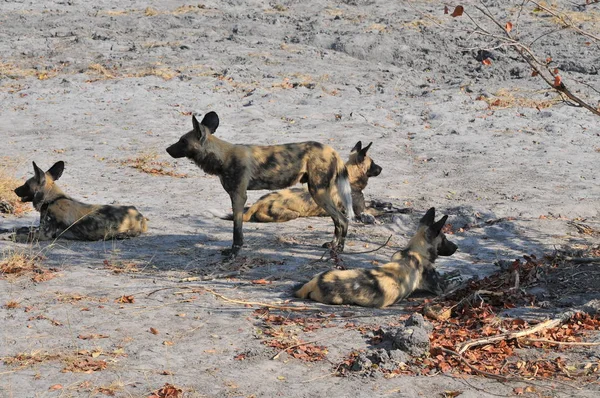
<point x="213" y="155"/>
<point x="52" y="193"/>
<point x="418" y="246"/>
<point x="357" y="175"/>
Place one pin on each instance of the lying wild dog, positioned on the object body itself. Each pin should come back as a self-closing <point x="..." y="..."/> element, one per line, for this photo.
<point x="409" y="270"/>
<point x="291" y="203"/>
<point x="64" y="217"/>
<point x="244" y="167"/>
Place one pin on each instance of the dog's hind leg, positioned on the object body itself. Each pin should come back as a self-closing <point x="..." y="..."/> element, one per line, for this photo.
<point x="275" y="214"/>
<point x="324" y="199"/>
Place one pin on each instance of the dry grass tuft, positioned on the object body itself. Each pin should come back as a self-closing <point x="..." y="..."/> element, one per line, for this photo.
<point x="82" y="361"/>
<point x="164" y="73"/>
<point x="147" y="162"/>
<point x="101" y="71"/>
<point x="15" y="264"/>
<point x="504" y="99"/>
<point x="150" y="12"/>
<point x="9" y="202"/>
<point x="12" y="304"/>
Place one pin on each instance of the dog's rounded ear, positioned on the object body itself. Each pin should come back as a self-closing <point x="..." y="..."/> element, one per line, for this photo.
<point x="437" y="227"/>
<point x="40" y="176"/>
<point x="211" y="121"/>
<point x="428" y="218"/>
<point x="357" y="147"/>
<point x="56" y="170"/>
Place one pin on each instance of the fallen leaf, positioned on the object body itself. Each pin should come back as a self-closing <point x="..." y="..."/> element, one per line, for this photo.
<point x="153" y="331"/>
<point x="55" y="387"/>
<point x="446" y="10"/>
<point x="508" y="27"/>
<point x="518" y="390"/>
<point x="169" y="343"/>
<point x="169" y="391"/>
<point x="125" y="299"/>
<point x="486" y="62"/>
<point x="261" y="282"/>
<point x="458" y="11"/>
<point x="557" y="81"/>
<point x="92" y="336"/>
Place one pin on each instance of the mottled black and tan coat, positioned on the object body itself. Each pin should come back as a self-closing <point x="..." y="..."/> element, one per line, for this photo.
<point x="289" y="204"/>
<point x="409" y="269"/>
<point x="252" y="167"/>
<point x="64" y="217"/>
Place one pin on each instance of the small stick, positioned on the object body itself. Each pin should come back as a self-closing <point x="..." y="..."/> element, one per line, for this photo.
<point x="482" y="372"/>
<point x="374" y="250"/>
<point x="275" y="306"/>
<point x="550" y="323"/>
<point x="571" y="343"/>
<point x="294" y="346"/>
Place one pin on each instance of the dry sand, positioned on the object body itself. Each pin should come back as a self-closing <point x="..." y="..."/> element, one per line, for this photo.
<point x="99" y="84"/>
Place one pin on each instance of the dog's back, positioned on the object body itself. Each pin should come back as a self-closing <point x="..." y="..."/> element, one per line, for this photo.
<point x="64" y="217"/>
<point x="291" y="203"/>
<point x="409" y="270"/>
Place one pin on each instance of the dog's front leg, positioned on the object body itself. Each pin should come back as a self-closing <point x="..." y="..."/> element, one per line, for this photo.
<point x="238" y="200"/>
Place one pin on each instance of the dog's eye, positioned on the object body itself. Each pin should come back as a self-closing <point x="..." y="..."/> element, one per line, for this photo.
<point x="184" y="141"/>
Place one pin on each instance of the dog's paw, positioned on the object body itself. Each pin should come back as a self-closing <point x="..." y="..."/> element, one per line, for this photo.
<point x="367" y="218"/>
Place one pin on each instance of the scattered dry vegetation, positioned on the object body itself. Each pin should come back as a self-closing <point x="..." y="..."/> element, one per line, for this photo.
<point x="82" y="361"/>
<point x="147" y="162"/>
<point x="17" y="264"/>
<point x="9" y="202"/>
<point x="516" y="98"/>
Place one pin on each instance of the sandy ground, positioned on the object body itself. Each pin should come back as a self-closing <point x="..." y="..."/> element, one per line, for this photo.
<point x="101" y="84"/>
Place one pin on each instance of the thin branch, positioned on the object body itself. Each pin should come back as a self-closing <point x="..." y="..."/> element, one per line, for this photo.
<point x="563" y="19"/>
<point x="550" y="323"/>
<point x="482" y="372"/>
<point x="374" y="250"/>
<point x="257" y="303"/>
<point x="570" y="343"/>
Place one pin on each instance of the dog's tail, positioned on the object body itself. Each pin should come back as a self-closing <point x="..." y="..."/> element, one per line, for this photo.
<point x="229" y="216"/>
<point x="345" y="192"/>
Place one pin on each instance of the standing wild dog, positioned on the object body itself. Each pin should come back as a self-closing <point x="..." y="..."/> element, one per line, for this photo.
<point x="243" y="167"/>
<point x="409" y="270"/>
<point x="64" y="217"/>
<point x="291" y="203"/>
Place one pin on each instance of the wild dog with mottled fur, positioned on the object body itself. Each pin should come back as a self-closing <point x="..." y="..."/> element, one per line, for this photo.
<point x="409" y="270"/>
<point x="244" y="167"/>
<point x="64" y="217"/>
<point x="291" y="203"/>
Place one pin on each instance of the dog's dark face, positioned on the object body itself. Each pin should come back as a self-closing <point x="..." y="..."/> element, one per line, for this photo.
<point x="35" y="186"/>
<point x="434" y="235"/>
<point x="361" y="167"/>
<point x="191" y="143"/>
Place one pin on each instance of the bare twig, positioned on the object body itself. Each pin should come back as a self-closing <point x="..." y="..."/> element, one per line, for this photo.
<point x="550" y="323"/>
<point x="297" y="345"/>
<point x="374" y="250"/>
<point x="481" y="372"/>
<point x="565" y="21"/>
<point x="268" y="305"/>
<point x="570" y="343"/>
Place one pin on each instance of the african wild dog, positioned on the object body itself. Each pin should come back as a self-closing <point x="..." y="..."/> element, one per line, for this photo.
<point x="410" y="269"/>
<point x="291" y="203"/>
<point x="64" y="217"/>
<point x="244" y="167"/>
